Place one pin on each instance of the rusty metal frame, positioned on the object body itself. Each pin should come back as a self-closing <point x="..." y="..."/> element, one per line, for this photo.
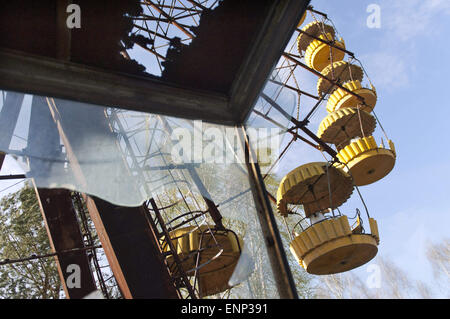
<point x="277" y="256"/>
<point x="64" y="234"/>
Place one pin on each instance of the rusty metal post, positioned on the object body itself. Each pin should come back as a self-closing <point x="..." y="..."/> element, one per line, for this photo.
<point x="277" y="256"/>
<point x="132" y="252"/>
<point x="301" y="125"/>
<point x="64" y="234"/>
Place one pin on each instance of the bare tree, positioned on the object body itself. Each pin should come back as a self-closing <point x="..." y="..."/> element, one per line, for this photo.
<point x="394" y="284"/>
<point x="438" y="255"/>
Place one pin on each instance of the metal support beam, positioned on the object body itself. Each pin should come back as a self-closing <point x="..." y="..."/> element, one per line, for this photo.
<point x="13" y="176"/>
<point x="322" y="144"/>
<point x="301" y="126"/>
<point x="64" y="234"/>
<point x="294" y="89"/>
<point x="132" y="252"/>
<point x="277" y="256"/>
<point x="291" y="131"/>
<point x="330" y="43"/>
<point x="334" y="82"/>
<point x="164" y="14"/>
<point x="34" y="256"/>
<point x="311" y="8"/>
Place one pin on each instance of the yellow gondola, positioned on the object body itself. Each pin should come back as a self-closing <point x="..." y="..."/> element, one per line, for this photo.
<point x="340" y="71"/>
<point x="341" y="99"/>
<point x="340" y="126"/>
<point x="314" y="29"/>
<point x="319" y="55"/>
<point x="218" y="252"/>
<point x="366" y="161"/>
<point x="330" y="246"/>
<point x="310" y="186"/>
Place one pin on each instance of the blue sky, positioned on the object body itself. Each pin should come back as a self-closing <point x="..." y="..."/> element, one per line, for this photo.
<point x="406" y="59"/>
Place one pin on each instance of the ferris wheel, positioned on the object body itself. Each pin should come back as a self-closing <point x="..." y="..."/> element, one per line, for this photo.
<point x="324" y="240"/>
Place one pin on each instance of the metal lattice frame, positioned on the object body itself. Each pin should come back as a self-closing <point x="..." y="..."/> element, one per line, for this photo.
<point x="162" y="20"/>
<point x="198" y="213"/>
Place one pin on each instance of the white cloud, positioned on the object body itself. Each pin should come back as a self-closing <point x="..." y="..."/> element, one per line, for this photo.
<point x="410" y="18"/>
<point x="386" y="69"/>
<point x="404" y="24"/>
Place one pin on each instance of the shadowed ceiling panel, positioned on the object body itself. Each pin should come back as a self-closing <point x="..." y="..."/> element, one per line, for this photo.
<point x="215" y="76"/>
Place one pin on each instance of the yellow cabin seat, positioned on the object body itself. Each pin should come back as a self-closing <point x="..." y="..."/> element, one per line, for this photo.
<point x="340" y="126"/>
<point x="183" y="240"/>
<point x="340" y="98"/>
<point x="358" y="228"/>
<point x="315" y="29"/>
<point x="330" y="247"/>
<point x="341" y="71"/>
<point x="308" y="185"/>
<point x="218" y="257"/>
<point x="318" y="55"/>
<point x="367" y="162"/>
